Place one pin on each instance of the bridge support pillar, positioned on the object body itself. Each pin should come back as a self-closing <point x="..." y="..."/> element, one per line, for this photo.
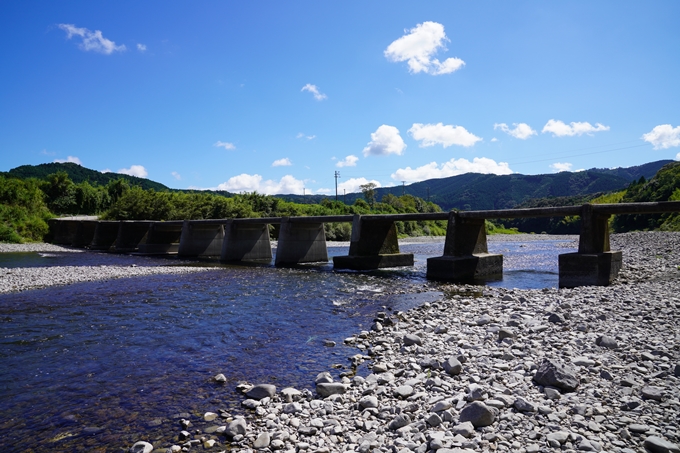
<point x="466" y="255"/>
<point x="301" y="243"/>
<point x="246" y="242"/>
<point x="374" y="245"/>
<point x="594" y="264"/>
<point x="62" y="232"/>
<point x="161" y="239"/>
<point x="84" y="233"/>
<point x="201" y="239"/>
<point x="105" y="235"/>
<point x="130" y="234"/>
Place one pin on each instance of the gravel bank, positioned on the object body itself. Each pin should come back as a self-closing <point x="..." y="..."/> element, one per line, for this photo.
<point x="585" y="369"/>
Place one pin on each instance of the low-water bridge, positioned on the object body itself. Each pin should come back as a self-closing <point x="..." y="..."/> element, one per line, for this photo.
<point x="373" y="243"/>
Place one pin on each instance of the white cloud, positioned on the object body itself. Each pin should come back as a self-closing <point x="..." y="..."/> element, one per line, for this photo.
<point x="663" y="136"/>
<point x="521" y="130"/>
<point x="349" y="161"/>
<point x="325" y="191"/>
<point x="92" y="40"/>
<point x="384" y="141"/>
<point x="141" y="47"/>
<point x="352" y="185"/>
<point x="561" y="166"/>
<point x="677" y="156"/>
<point x="225" y="145"/>
<point x="560" y="129"/>
<point x="106" y="170"/>
<point x="445" y="135"/>
<point x="315" y="91"/>
<point x="308" y="137"/>
<point x="419" y="45"/>
<point x="494" y="140"/>
<point x="134" y="170"/>
<point x="285" y="162"/>
<point x="451" y="168"/>
<point x="254" y="183"/>
<point x="176" y="175"/>
<point x="72" y="159"/>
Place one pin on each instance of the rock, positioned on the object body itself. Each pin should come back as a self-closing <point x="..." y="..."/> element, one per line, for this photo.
<point x="560" y="437"/>
<point x="477" y="413"/>
<point x="399" y="421"/>
<point x="651" y="392"/>
<point x="324" y="377"/>
<point x="262" y="441"/>
<point x="452" y="366"/>
<point x="433" y="420"/>
<point x="638" y="428"/>
<point x="465" y="429"/>
<point x="326" y="389"/>
<point x="261" y="391"/>
<point x="141" y="447"/>
<point x="605" y="341"/>
<point x="290" y="394"/>
<point x="368" y="402"/>
<point x="236" y="427"/>
<point x="555" y="318"/>
<point x="483" y="320"/>
<point x="523" y="405"/>
<point x="655" y="444"/>
<point x="504" y="333"/>
<point x="292" y="408"/>
<point x="556" y="375"/>
<point x="209" y="416"/>
<point x="411" y="339"/>
<point x="220" y="378"/>
<point x="403" y="391"/>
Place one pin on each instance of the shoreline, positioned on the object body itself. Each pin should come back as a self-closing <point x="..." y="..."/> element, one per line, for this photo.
<point x="583" y="369"/>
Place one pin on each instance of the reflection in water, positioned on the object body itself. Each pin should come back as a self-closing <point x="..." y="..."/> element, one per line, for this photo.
<point x="106" y="363"/>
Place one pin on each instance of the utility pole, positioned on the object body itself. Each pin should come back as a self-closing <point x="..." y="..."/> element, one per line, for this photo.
<point x="337" y="175"/>
<point x="403" y="188"/>
<point x="344" y="200"/>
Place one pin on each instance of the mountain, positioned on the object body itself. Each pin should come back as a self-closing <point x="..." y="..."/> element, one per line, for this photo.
<point x="78" y="173"/>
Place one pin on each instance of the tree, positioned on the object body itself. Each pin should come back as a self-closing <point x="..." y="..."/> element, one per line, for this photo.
<point x="368" y="190"/>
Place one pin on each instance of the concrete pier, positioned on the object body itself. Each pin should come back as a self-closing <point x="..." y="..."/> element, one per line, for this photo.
<point x="201" y="238"/>
<point x="63" y="232"/>
<point x="105" y="235"/>
<point x="130" y="234"/>
<point x="84" y="233"/>
<point x="161" y="239"/>
<point x="466" y="255"/>
<point x="246" y="242"/>
<point x="373" y="245"/>
<point x="594" y="264"/>
<point x="301" y="242"/>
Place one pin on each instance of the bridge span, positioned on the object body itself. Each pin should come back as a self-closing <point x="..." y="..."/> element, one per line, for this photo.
<point x="373" y="242"/>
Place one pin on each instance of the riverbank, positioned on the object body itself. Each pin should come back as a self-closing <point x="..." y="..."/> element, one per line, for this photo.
<point x="583" y="369"/>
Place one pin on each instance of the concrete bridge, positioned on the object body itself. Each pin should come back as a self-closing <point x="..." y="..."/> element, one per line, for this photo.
<point x="373" y="243"/>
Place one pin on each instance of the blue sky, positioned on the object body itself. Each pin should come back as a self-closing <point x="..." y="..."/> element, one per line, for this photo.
<point x="276" y="97"/>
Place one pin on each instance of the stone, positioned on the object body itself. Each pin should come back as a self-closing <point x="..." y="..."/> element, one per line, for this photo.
<point x="209" y="416"/>
<point x="465" y="429"/>
<point x="433" y="419"/>
<point x="556" y="375"/>
<point x="650" y="392"/>
<point x="237" y="427"/>
<point x="141" y="447"/>
<point x="523" y="405"/>
<point x="478" y="413"/>
<point x="324" y="377"/>
<point x="638" y="428"/>
<point x="411" y="339"/>
<point x="483" y="320"/>
<point x="220" y="378"/>
<point x="605" y="341"/>
<point x="452" y="366"/>
<point x="403" y="391"/>
<point x="399" y="421"/>
<point x="290" y="394"/>
<point x="368" y="402"/>
<point x="560" y="437"/>
<point x="656" y="444"/>
<point x="261" y="391"/>
<point x="262" y="441"/>
<point x="292" y="408"/>
<point x="504" y="333"/>
<point x="556" y="318"/>
<point x="326" y="389"/>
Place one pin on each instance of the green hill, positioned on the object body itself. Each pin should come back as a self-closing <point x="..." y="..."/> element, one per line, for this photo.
<point x="78" y="173"/>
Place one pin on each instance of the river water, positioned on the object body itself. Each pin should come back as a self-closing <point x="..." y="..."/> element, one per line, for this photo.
<point x="97" y="366"/>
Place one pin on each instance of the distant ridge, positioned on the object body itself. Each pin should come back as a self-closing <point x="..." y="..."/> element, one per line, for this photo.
<point x="78" y="173"/>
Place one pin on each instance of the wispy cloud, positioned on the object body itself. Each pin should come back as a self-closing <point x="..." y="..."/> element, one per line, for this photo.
<point x="453" y="167"/>
<point x="72" y="159"/>
<point x="418" y="46"/>
<point x="349" y="161"/>
<point x="134" y="170"/>
<point x="92" y="40"/>
<point x="141" y="47"/>
<point x="285" y="162"/>
<point x="319" y="96"/>
<point x="663" y="136"/>
<point x="225" y="145"/>
<point x="308" y="137"/>
<point x="559" y="129"/>
<point x="384" y="141"/>
<point x="176" y="175"/>
<point x="561" y="166"/>
<point x="440" y="134"/>
<point x="521" y="131"/>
